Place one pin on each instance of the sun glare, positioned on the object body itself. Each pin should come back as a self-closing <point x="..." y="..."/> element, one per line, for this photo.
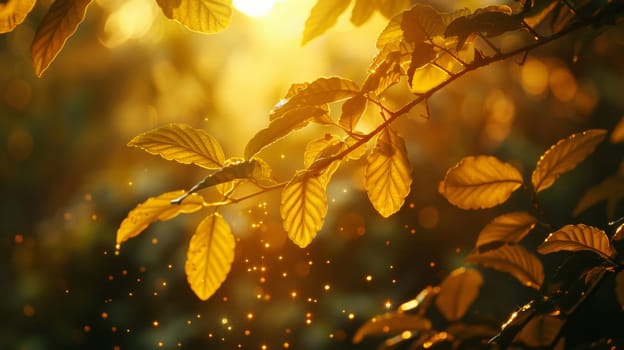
<point x="255" y="8"/>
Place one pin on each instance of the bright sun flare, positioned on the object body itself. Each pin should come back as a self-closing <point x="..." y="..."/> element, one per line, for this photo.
<point x="255" y="8"/>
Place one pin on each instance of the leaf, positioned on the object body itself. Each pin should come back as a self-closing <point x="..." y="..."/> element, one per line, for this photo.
<point x="156" y="208"/>
<point x="540" y="331"/>
<point x="362" y="11"/>
<point x="426" y="78"/>
<point x="56" y="27"/>
<point x="388" y="173"/>
<point x="619" y="288"/>
<point x="352" y="111"/>
<point x="278" y="128"/>
<point x="514" y="260"/>
<point x="617" y="135"/>
<point x="611" y="189"/>
<point x="457" y="293"/>
<point x="209" y="256"/>
<point x="420" y="304"/>
<point x="182" y="143"/>
<point x="235" y="170"/>
<point x="317" y="93"/>
<point x="480" y="182"/>
<point x="576" y="238"/>
<point x="564" y="156"/>
<point x="490" y="21"/>
<point x="303" y="208"/>
<point x="205" y="16"/>
<point x="13" y="13"/>
<point x="417" y="24"/>
<point x="507" y="228"/>
<point x="323" y="16"/>
<point x="384" y="72"/>
<point x="320" y="151"/>
<point x="391" y="323"/>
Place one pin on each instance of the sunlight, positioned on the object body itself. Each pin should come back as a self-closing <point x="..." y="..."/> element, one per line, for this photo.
<point x="255" y="8"/>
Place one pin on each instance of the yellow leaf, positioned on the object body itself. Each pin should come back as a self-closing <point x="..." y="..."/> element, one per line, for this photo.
<point x="319" y="151"/>
<point x="564" y="156"/>
<point x="362" y="11"/>
<point x="352" y="111"/>
<point x="388" y="173"/>
<point x="417" y="24"/>
<point x="457" y="293"/>
<point x="427" y="77"/>
<point x="577" y="238"/>
<point x="13" y="13"/>
<point x="480" y="182"/>
<point x="611" y="189"/>
<point x="384" y="72"/>
<point x="209" y="256"/>
<point x="303" y="208"/>
<point x="617" y="136"/>
<point x="619" y="288"/>
<point x="278" y="128"/>
<point x="391" y="323"/>
<point x="205" y="16"/>
<point x="540" y="331"/>
<point x="322" y="17"/>
<point x="55" y="28"/>
<point x="156" y="208"/>
<point x="512" y="259"/>
<point x="507" y="228"/>
<point x="183" y="144"/>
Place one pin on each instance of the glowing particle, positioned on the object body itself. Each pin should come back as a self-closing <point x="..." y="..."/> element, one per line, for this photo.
<point x="327" y="287"/>
<point x="458" y="250"/>
<point x="293" y="294"/>
<point x="155" y="323"/>
<point x="19" y="239"/>
<point x="308" y="321"/>
<point x="169" y="266"/>
<point x="111" y="277"/>
<point x="432" y="264"/>
<point x="104" y="315"/>
<point x="164" y="283"/>
<point x="264" y="347"/>
<point x="86" y="328"/>
<point x="179" y="344"/>
<point x="286" y="345"/>
<point x="224" y="321"/>
<point x="369" y="278"/>
<point x="388" y="304"/>
<point x="93" y="217"/>
<point x="154" y="241"/>
<point x="130" y="183"/>
<point x="113" y="329"/>
<point x="247" y="332"/>
<point x="282" y="156"/>
<point x="124" y="272"/>
<point x="267" y="245"/>
<point x="351" y="316"/>
<point x="250" y="316"/>
<point x="160" y="344"/>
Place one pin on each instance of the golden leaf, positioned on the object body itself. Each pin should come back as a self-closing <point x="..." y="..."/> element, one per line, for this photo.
<point x="183" y="144"/>
<point x="457" y="293"/>
<point x="617" y="136"/>
<point x="619" y="288"/>
<point x="156" y="208"/>
<point x="564" y="156"/>
<point x="512" y="259"/>
<point x="362" y="11"/>
<point x="611" y="189"/>
<point x="384" y="72"/>
<point x="303" y="208"/>
<point x="321" y="149"/>
<point x="209" y="256"/>
<point x="480" y="182"/>
<point x="322" y="17"/>
<point x="388" y="173"/>
<point x="13" y="13"/>
<point x="352" y="111"/>
<point x="540" y="331"/>
<point x="391" y="323"/>
<point x="205" y="16"/>
<point x="278" y="128"/>
<point x="507" y="228"/>
<point x="426" y="77"/>
<point x="417" y="24"/>
<point x="577" y="238"/>
<point x="55" y="28"/>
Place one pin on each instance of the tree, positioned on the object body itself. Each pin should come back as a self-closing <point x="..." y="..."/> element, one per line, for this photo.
<point x="430" y="50"/>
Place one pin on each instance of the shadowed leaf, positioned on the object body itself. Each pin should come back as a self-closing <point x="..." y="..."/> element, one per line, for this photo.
<point x="480" y="182"/>
<point x="512" y="259"/>
<point x="384" y="72"/>
<point x="417" y="24"/>
<point x="209" y="256"/>
<point x="352" y="111"/>
<point x="619" y="288"/>
<point x="56" y="27"/>
<point x="303" y="208"/>
<point x="388" y="173"/>
<point x="182" y="143"/>
<point x="490" y="21"/>
<point x="507" y="228"/>
<point x="457" y="293"/>
<point x="564" y="156"/>
<point x="205" y="16"/>
<point x="278" y="128"/>
<point x="611" y="190"/>
<point x="322" y="17"/>
<point x="617" y="136"/>
<point x="154" y="209"/>
<point x="13" y="13"/>
<point x="576" y="238"/>
<point x="391" y="323"/>
<point x="540" y="331"/>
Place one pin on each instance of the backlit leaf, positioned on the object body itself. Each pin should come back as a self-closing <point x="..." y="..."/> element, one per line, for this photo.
<point x="391" y="323"/>
<point x="352" y="111"/>
<point x="14" y="12"/>
<point x="564" y="156"/>
<point x="619" y="288"/>
<point x="241" y="169"/>
<point x="322" y="17"/>
<point x="457" y="293"/>
<point x="182" y="143"/>
<point x="56" y="27"/>
<point x="362" y="11"/>
<point x="209" y="256"/>
<point x="507" y="228"/>
<point x="480" y="182"/>
<point x="512" y="259"/>
<point x="319" y="151"/>
<point x="388" y="173"/>
<point x="303" y="208"/>
<point x="577" y="238"/>
<point x="617" y="135"/>
<point x="154" y="209"/>
<point x="426" y="77"/>
<point x="490" y="21"/>
<point x="540" y="331"/>
<point x="278" y="128"/>
<point x="384" y="72"/>
<point x="206" y="16"/>
<point x="417" y="24"/>
<point x="611" y="189"/>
